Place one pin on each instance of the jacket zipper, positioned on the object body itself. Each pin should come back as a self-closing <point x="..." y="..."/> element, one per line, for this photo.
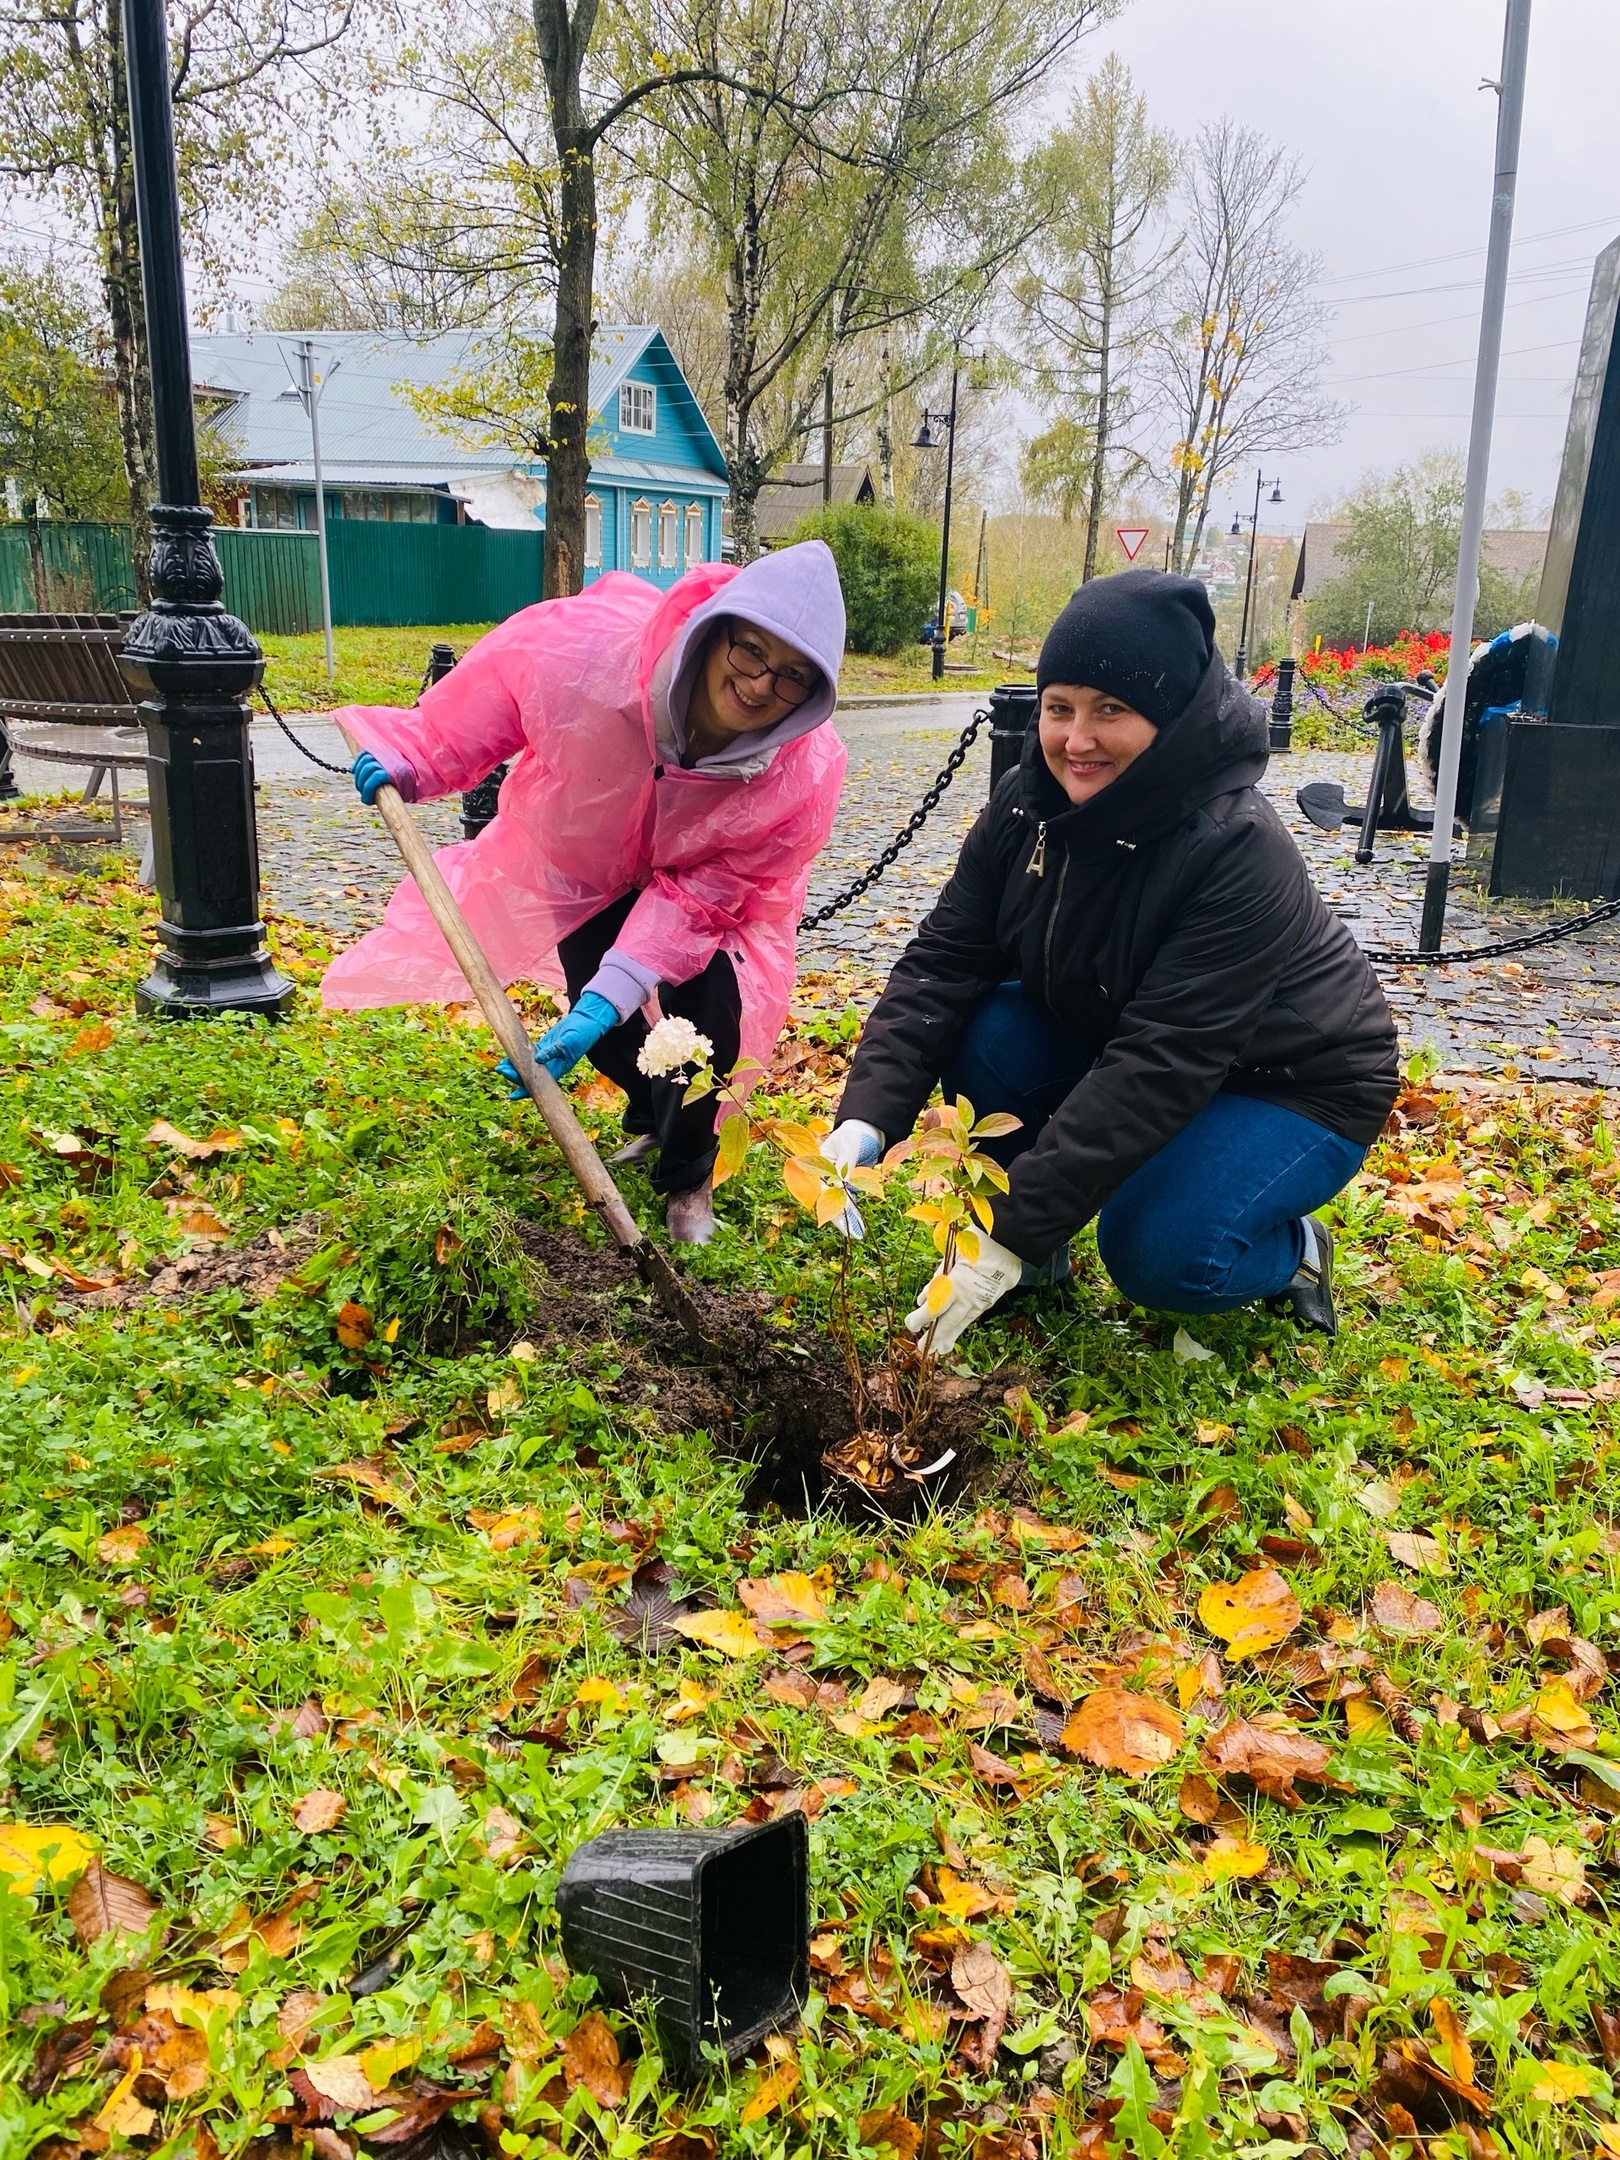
<point x="1051" y="928"/>
<point x="1036" y="866"/>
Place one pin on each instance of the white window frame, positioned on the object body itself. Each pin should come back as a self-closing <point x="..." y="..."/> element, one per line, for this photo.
<point x="638" y="408"/>
<point x="694" y="524"/>
<point x="669" y="529"/>
<point x="593" y="532"/>
<point x="641" y="534"/>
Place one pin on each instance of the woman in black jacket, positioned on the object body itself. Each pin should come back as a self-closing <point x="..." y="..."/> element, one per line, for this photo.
<point x="1131" y="958"/>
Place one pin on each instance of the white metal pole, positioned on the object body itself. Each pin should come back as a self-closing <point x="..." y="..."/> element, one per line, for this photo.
<point x="1509" y="118"/>
<point x="312" y="405"/>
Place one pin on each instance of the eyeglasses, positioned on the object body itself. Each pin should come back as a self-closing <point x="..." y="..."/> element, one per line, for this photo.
<point x="750" y="663"/>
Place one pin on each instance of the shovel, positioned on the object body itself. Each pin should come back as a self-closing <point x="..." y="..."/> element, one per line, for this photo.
<point x="590" y="1172"/>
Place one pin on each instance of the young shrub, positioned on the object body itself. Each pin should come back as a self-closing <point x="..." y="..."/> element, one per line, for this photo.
<point x="888" y="565"/>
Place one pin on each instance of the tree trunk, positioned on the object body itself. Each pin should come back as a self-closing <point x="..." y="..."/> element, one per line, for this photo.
<point x="36" y="563"/>
<point x="1099" y="448"/>
<point x="568" y="465"/>
<point x="885" y="434"/>
<point x="126" y="313"/>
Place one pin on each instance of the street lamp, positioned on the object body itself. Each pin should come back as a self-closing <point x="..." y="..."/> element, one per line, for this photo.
<point x="1241" y="665"/>
<point x="192" y="665"/>
<point x="925" y="439"/>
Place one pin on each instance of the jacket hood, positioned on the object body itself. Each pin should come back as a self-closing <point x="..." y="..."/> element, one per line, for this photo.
<point x="795" y="594"/>
<point x="1219" y="743"/>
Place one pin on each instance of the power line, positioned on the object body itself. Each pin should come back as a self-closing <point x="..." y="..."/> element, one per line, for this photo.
<point x="1434" y="322"/>
<point x="1423" y="262"/>
<point x="1575" y="267"/>
<point x="1423" y="367"/>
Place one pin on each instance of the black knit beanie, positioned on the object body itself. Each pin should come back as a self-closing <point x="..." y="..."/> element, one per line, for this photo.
<point x="1142" y="636"/>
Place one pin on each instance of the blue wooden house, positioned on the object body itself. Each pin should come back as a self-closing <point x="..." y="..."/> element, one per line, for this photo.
<point x="658" y="489"/>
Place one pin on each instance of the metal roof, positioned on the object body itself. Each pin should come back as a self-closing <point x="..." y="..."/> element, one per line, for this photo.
<point x="1517" y="554"/>
<point x="369" y="433"/>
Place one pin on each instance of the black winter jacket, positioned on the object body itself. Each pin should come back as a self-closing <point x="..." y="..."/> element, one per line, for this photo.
<point x="1171" y="925"/>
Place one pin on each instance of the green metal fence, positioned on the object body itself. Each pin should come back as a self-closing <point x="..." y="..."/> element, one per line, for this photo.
<point x="65" y="569"/>
<point x="272" y="579"/>
<point x="382" y="574"/>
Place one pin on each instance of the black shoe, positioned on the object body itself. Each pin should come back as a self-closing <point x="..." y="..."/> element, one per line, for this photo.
<point x="1309" y="1297"/>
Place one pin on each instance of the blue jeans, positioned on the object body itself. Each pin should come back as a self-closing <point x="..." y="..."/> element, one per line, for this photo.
<point x="1212" y="1221"/>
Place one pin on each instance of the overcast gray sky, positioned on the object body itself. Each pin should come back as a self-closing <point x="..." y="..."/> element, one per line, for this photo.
<point x="1380" y="98"/>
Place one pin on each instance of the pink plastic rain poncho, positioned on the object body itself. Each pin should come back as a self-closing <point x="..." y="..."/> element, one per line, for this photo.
<point x="721" y="859"/>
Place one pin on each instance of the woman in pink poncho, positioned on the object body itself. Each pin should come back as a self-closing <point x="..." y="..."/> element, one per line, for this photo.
<point x="674" y="777"/>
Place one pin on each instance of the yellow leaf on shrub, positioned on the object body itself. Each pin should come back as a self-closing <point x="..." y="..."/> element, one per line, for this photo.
<point x="733" y="1149"/>
<point x="802" y="1182"/>
<point x="938" y="1295"/>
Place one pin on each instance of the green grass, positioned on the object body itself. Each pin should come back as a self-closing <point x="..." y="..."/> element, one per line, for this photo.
<point x="385" y="667"/>
<point x="209" y="1614"/>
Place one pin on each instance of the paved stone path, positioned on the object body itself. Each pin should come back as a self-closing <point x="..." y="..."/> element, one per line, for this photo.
<point x="1555" y="1015"/>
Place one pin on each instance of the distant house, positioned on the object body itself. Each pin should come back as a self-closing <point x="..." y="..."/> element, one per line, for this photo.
<point x="795" y="491"/>
<point x="658" y="478"/>
<point x="1518" y="555"/>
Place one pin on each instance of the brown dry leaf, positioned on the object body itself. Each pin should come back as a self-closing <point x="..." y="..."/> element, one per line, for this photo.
<point x="768" y="2095"/>
<point x="297" y="2012"/>
<point x="984" y="1988"/>
<point x="777" y="1599"/>
<point x="94" y="1035"/>
<point x="341" y="2080"/>
<point x="1120" y="1731"/>
<point x="591" y="2058"/>
<point x="1198" y="1798"/>
<point x="1412" y="1549"/>
<point x="370" y="1474"/>
<point x="121" y="2114"/>
<point x="319" y="1810"/>
<point x="1453" y="2044"/>
<point x="198" y="1220"/>
<point x="887" y="2130"/>
<point x="879" y="1696"/>
<point x="354" y="1326"/>
<point x="1396" y="1610"/>
<point x="1255" y="1613"/>
<point x="221" y="1832"/>
<point x="505" y="1838"/>
<point x="1270" y="1759"/>
<point x="101" y="1903"/>
<point x="220" y="1142"/>
<point x="122" y="1547"/>
<point x="1556" y="1871"/>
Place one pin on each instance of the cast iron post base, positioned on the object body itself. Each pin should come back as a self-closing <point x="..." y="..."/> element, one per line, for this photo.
<point x="193" y="667"/>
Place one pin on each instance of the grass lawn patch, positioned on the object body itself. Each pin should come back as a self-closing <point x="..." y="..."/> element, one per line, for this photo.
<point x="1234" y="1772"/>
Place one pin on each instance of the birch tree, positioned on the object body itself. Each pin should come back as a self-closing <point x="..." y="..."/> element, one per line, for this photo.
<point x="1239" y="360"/>
<point x="844" y="173"/>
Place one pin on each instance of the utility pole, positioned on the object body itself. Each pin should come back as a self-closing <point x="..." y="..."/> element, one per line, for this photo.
<point x="1509" y="122"/>
<point x="310" y="386"/>
<point x="192" y="665"/>
<point x="1240" y="666"/>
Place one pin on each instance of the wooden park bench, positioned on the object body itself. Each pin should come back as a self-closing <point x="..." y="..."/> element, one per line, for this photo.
<point x="63" y="701"/>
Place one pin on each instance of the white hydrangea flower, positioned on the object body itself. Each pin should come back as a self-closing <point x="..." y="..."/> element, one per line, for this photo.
<point x="671" y="1046"/>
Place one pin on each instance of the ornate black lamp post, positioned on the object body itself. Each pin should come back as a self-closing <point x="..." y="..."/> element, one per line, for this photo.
<point x="1241" y="665"/>
<point x="193" y="665"/>
<point x="926" y="440"/>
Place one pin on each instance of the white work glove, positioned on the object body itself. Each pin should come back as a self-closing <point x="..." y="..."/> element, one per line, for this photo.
<point x="976" y="1285"/>
<point x="854" y="1145"/>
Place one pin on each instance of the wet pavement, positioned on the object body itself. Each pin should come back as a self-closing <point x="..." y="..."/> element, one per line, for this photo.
<point x="1554" y="1014"/>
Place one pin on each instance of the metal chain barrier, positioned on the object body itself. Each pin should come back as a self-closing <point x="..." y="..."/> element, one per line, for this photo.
<point x="1605" y="913"/>
<point x="303" y="747"/>
<point x="909" y="831"/>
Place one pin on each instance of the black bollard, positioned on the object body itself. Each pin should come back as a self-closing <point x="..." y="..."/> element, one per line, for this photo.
<point x="192" y="665"/>
<point x="1282" y="707"/>
<point x="1012" y="707"/>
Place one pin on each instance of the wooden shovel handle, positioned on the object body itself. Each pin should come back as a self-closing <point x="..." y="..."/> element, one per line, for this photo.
<point x="548" y="1098"/>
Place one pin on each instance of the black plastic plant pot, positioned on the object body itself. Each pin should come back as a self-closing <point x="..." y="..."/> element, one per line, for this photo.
<point x="712" y="1927"/>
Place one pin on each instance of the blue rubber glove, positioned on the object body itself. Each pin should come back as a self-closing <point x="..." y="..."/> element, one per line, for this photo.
<point x="575" y="1036"/>
<point x="371" y="773"/>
